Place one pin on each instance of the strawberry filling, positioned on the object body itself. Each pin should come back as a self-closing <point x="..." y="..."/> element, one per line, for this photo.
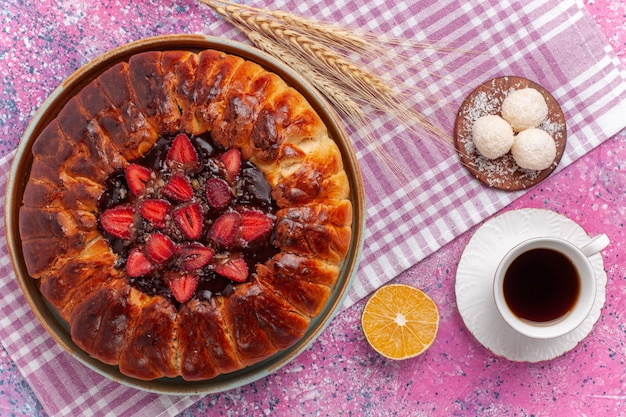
<point x="188" y="219"/>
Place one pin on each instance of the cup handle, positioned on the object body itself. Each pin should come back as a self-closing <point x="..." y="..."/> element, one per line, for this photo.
<point x="595" y="245"/>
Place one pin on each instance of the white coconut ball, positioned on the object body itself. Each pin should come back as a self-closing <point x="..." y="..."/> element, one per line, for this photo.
<point x="534" y="149"/>
<point x="492" y="136"/>
<point x="524" y="109"/>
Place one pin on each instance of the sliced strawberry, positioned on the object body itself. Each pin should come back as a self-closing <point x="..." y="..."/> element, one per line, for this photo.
<point x="182" y="154"/>
<point x="194" y="256"/>
<point x="159" y="248"/>
<point x="118" y="221"/>
<point x="155" y="211"/>
<point x="178" y="188"/>
<point x="183" y="286"/>
<point x="137" y="177"/>
<point x="234" y="268"/>
<point x="224" y="229"/>
<point x="231" y="159"/>
<point x="189" y="220"/>
<point x="255" y="225"/>
<point x="218" y="193"/>
<point x="137" y="264"/>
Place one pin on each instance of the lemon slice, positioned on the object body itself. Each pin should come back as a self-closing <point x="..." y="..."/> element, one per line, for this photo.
<point x="400" y="321"/>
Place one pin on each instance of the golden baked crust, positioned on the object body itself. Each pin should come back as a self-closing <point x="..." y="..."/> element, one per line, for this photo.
<point x="116" y="119"/>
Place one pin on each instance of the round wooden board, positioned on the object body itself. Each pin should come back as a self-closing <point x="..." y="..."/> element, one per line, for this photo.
<point x="503" y="173"/>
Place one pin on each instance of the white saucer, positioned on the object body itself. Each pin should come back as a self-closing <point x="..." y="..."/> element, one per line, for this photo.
<point x="474" y="283"/>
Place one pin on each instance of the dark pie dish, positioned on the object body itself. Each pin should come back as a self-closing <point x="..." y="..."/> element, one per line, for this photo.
<point x="282" y="329"/>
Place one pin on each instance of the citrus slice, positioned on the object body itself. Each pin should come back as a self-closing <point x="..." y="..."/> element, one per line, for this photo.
<point x="400" y="321"/>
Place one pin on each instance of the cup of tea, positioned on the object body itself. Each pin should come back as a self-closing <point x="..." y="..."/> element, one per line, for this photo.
<point x="545" y="287"/>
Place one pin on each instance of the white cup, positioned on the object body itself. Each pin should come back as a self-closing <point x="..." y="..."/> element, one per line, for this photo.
<point x="536" y="295"/>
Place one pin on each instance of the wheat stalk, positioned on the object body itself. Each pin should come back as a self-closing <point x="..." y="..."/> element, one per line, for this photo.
<point x="281" y="32"/>
<point x="321" y="52"/>
<point x="348" y="107"/>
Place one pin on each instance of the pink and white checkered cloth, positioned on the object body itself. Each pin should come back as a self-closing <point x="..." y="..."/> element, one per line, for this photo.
<point x="554" y="43"/>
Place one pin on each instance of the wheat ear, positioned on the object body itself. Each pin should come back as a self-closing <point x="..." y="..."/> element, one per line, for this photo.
<point x="347" y="107"/>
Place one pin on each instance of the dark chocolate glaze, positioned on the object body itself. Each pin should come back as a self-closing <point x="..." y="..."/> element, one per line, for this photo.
<point x="251" y="191"/>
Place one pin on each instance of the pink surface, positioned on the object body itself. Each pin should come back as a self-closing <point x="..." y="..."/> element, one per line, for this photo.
<point x="340" y="374"/>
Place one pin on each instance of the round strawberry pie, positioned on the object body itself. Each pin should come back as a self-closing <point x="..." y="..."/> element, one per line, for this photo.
<point x="186" y="214"/>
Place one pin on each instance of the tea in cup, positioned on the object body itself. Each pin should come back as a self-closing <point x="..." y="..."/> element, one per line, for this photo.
<point x="545" y="287"/>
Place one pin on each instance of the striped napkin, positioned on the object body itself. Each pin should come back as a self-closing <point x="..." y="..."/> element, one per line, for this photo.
<point x="553" y="43"/>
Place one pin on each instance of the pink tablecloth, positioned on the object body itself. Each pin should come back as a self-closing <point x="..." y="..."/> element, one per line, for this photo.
<point x="554" y="43"/>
